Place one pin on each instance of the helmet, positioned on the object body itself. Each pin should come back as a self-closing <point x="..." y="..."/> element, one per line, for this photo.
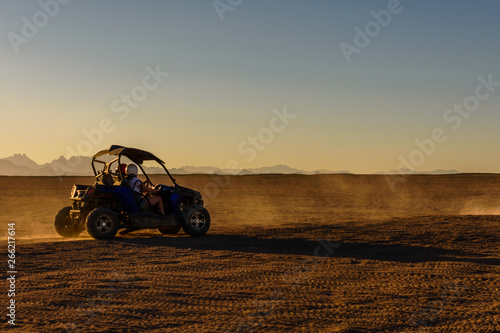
<point x="121" y="167"/>
<point x="131" y="169"/>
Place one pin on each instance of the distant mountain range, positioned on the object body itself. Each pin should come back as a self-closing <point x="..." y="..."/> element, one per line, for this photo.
<point x="22" y="165"/>
<point x="405" y="171"/>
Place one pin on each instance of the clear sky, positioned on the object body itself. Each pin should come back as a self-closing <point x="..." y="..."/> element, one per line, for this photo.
<point x="355" y="101"/>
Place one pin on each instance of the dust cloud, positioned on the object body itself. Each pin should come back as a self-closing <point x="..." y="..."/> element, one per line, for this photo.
<point x="272" y="200"/>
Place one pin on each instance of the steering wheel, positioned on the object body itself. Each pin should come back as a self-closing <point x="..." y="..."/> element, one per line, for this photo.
<point x="147" y="182"/>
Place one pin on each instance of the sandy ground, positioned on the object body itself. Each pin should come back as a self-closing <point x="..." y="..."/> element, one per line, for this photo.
<point x="336" y="253"/>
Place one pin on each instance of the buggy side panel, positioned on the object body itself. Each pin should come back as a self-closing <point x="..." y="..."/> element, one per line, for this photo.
<point x="148" y="220"/>
<point x="125" y="195"/>
<point x="174" y="199"/>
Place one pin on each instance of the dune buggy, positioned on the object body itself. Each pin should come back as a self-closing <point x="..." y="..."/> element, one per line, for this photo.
<point x="110" y="204"/>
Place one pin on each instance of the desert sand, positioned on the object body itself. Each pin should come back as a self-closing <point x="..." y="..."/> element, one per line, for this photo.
<point x="285" y="253"/>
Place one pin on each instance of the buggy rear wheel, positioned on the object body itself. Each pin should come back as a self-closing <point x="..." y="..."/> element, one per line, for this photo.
<point x="64" y="224"/>
<point x="102" y="223"/>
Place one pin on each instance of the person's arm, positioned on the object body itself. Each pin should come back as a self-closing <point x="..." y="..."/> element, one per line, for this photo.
<point x="149" y="189"/>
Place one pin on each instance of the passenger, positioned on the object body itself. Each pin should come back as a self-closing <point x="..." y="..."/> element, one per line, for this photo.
<point x="138" y="187"/>
<point x="119" y="175"/>
<point x="123" y="168"/>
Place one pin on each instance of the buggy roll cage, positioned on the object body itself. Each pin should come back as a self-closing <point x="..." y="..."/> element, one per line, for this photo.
<point x="137" y="156"/>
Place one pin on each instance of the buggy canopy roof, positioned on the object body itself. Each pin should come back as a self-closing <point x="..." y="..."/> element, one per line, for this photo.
<point x="136" y="155"/>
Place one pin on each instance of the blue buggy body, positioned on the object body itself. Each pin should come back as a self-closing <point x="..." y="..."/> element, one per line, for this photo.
<point x="125" y="196"/>
<point x="128" y="200"/>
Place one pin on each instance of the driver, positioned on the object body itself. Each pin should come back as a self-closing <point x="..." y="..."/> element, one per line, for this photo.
<point x="137" y="187"/>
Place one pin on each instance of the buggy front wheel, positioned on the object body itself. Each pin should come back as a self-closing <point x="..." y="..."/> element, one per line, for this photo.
<point x="196" y="222"/>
